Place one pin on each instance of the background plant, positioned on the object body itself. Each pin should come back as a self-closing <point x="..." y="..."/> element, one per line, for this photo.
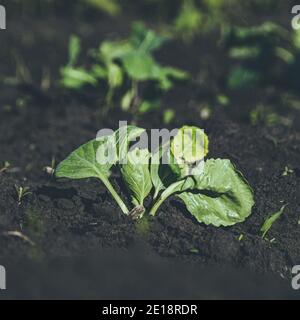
<point x="126" y="66"/>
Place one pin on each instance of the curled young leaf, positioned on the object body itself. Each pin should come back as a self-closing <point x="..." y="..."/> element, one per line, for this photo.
<point x="188" y="149"/>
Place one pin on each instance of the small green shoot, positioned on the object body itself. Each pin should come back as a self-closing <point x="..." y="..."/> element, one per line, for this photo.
<point x="270" y="221"/>
<point x="264" y="115"/>
<point x="22" y="192"/>
<point x="189" y="21"/>
<point x="5" y="167"/>
<point x="287" y="171"/>
<point x="111" y="7"/>
<point x="50" y="169"/>
<point x="168" y="116"/>
<point x="241" y="237"/>
<point x="223" y="100"/>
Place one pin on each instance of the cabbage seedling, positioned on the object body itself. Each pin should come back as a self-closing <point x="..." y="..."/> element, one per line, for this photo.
<point x="213" y="191"/>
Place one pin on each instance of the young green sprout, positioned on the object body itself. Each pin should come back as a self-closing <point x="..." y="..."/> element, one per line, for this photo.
<point x="270" y="221"/>
<point x="5" y="167"/>
<point x="213" y="191"/>
<point x="50" y="169"/>
<point x="22" y="192"/>
<point x="287" y="171"/>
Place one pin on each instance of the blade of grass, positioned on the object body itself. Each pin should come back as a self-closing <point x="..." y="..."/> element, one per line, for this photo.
<point x="270" y="220"/>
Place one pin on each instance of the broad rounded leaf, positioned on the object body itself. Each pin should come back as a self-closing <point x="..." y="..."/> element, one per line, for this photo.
<point x="139" y="65"/>
<point x="221" y="197"/>
<point x="96" y="157"/>
<point x="83" y="162"/>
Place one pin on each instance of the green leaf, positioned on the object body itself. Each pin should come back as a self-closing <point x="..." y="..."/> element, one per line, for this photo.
<point x="269" y="222"/>
<point x="84" y="161"/>
<point x="147" y="106"/>
<point x="74" y="50"/>
<point x="168" y="116"/>
<point x="164" y="76"/>
<point x="144" y="39"/>
<point x="111" y="50"/>
<point x="99" y="72"/>
<point x="115" y="75"/>
<point x="189" y="21"/>
<point x="111" y="7"/>
<point x="242" y="78"/>
<point x="136" y="175"/>
<point x="175" y="73"/>
<point x="285" y="55"/>
<point x="127" y="99"/>
<point x="222" y="196"/>
<point x="138" y="65"/>
<point x="189" y="147"/>
<point x="76" y="78"/>
<point x="244" y="52"/>
<point x="95" y="159"/>
<point x="190" y="144"/>
<point x="266" y="30"/>
<point x="123" y="137"/>
<point x="296" y="39"/>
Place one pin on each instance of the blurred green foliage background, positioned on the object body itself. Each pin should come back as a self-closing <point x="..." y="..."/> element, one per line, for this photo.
<point x="242" y="56"/>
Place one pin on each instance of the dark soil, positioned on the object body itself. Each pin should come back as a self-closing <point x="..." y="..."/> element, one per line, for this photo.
<point x="77" y="234"/>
